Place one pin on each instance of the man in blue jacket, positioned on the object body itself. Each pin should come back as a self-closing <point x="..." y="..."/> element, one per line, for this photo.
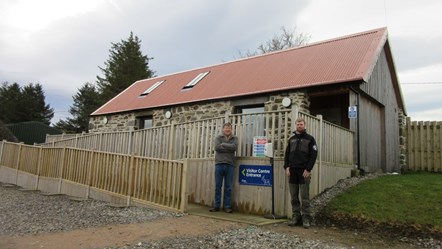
<point x="300" y="157"/>
<point x="225" y="147"/>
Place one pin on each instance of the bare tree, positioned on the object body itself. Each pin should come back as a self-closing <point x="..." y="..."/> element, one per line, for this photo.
<point x="288" y="38"/>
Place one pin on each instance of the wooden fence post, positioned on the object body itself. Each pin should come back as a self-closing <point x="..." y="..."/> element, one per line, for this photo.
<point x="194" y="139"/>
<point x="89" y="174"/>
<point x="319" y="147"/>
<point x="38" y="167"/>
<point x="76" y="141"/>
<point x="1" y="149"/>
<point x="183" y="204"/>
<point x="439" y="159"/>
<point x="171" y="140"/>
<point x="100" y="142"/>
<point x="18" y="162"/>
<point x="434" y="160"/>
<point x="294" y="114"/>
<point x="226" y="116"/>
<point x="131" y="180"/>
<point x="63" y="159"/>
<point x="129" y="143"/>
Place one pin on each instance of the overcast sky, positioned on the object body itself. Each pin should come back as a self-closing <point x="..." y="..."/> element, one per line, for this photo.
<point x="61" y="43"/>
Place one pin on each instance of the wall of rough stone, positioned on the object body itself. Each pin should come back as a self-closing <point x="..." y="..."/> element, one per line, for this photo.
<point x="402" y="140"/>
<point x="110" y="123"/>
<point x="190" y="112"/>
<point x="301" y="99"/>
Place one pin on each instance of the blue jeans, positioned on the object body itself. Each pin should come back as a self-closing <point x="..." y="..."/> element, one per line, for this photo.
<point x="223" y="172"/>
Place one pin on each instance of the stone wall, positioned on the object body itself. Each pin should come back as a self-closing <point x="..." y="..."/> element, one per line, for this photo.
<point x="193" y="112"/>
<point x="301" y="99"/>
<point x="402" y="140"/>
<point x="110" y="123"/>
<point x="188" y="113"/>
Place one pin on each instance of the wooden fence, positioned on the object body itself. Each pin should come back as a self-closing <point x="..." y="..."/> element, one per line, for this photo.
<point x="193" y="143"/>
<point x="258" y="199"/>
<point x="423" y="145"/>
<point x="59" y="137"/>
<point x="119" y="178"/>
<point x="195" y="139"/>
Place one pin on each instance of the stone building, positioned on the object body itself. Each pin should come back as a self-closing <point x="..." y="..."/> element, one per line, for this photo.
<point x="321" y="78"/>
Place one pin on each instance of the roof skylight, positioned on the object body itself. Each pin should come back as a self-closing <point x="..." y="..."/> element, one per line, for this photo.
<point x="197" y="79"/>
<point x="150" y="89"/>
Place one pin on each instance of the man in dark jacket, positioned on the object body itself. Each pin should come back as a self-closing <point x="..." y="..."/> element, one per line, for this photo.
<point x="300" y="157"/>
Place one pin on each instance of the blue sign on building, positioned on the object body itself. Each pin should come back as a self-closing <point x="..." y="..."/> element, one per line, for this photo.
<point x="258" y="175"/>
<point x="352" y="112"/>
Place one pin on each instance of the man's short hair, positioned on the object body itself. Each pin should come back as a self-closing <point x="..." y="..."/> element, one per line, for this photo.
<point x="227" y="124"/>
<point x="300" y="120"/>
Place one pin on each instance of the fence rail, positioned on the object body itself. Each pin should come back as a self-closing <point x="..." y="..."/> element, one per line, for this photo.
<point x="159" y="182"/>
<point x="424" y="143"/>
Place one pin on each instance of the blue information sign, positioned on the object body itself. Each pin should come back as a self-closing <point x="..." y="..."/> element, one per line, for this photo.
<point x="352" y="112"/>
<point x="258" y="175"/>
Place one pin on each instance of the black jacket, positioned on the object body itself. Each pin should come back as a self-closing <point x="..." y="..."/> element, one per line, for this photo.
<point x="301" y="152"/>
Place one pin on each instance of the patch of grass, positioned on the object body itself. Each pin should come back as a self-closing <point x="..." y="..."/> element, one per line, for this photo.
<point x="414" y="198"/>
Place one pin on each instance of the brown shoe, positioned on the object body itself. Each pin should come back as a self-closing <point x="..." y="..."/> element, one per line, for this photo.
<point x="228" y="210"/>
<point x="214" y="209"/>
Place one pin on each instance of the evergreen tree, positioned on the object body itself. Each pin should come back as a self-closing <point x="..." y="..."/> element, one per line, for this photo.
<point x="33" y="106"/>
<point x="10" y="96"/>
<point x="20" y="104"/>
<point x="86" y="100"/>
<point x="126" y="64"/>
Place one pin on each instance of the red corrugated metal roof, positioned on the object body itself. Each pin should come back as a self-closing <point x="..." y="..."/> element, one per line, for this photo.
<point x="338" y="60"/>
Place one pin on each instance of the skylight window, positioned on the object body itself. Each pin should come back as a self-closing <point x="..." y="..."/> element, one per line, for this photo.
<point x="197" y="79"/>
<point x="150" y="89"/>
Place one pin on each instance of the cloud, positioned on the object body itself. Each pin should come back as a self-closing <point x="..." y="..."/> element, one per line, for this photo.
<point x="61" y="46"/>
<point x="421" y="90"/>
<point x="413" y="51"/>
<point x="426" y="115"/>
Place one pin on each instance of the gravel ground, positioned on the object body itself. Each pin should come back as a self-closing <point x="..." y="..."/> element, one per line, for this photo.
<point x="251" y="237"/>
<point x="27" y="212"/>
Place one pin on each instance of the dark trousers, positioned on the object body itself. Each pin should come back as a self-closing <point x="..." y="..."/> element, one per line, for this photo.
<point x="300" y="200"/>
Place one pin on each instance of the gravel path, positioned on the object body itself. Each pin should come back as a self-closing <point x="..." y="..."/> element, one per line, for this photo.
<point x="30" y="212"/>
